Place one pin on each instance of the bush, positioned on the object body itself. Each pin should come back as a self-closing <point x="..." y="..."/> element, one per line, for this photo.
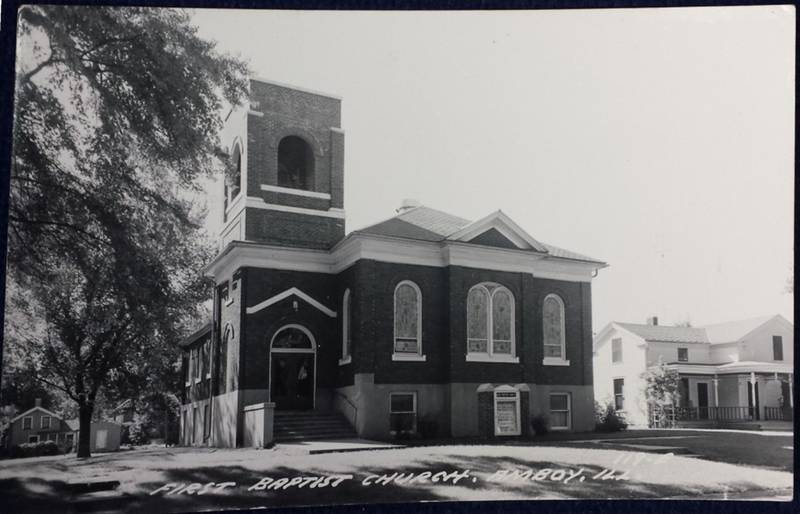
<point x="540" y="424"/>
<point x="34" y="449"/>
<point x="607" y="419"/>
<point x="427" y="427"/>
<point x="137" y="433"/>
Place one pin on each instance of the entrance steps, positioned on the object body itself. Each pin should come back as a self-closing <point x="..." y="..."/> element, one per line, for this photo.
<point x="290" y="426"/>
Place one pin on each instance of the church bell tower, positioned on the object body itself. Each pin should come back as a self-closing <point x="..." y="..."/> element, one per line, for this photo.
<point x="287" y="151"/>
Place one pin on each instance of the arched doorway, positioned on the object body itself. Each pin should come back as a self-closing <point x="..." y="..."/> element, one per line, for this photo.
<point x="293" y="365"/>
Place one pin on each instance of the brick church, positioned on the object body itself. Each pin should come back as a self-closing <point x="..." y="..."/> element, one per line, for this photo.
<point x="422" y="325"/>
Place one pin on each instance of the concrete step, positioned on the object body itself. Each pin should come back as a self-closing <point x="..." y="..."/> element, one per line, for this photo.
<point x="309" y="425"/>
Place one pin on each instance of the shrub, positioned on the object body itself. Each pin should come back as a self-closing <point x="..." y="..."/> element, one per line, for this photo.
<point x="137" y="433"/>
<point x="427" y="427"/>
<point x="607" y="419"/>
<point x="540" y="424"/>
<point x="34" y="449"/>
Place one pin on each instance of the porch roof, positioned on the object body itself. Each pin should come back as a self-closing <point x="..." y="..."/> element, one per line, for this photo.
<point x="731" y="367"/>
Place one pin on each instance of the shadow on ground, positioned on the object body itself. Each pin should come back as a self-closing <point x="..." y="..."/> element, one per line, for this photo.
<point x="36" y="495"/>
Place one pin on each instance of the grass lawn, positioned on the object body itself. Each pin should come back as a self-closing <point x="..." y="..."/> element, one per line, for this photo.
<point x="548" y="470"/>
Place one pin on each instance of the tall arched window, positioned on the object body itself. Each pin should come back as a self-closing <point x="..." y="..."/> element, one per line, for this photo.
<point x="490" y="324"/>
<point x="295" y="163"/>
<point x="346" y="324"/>
<point x="554" y="337"/>
<point x="236" y="179"/>
<point x="407" y="322"/>
<point x="227" y="337"/>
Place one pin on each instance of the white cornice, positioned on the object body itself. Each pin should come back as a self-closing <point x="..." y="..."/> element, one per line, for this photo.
<point x="258" y="203"/>
<point x="357" y="247"/>
<point x="296" y="192"/>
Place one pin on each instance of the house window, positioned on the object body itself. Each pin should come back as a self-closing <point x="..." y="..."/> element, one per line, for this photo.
<point x="346" y="324"/>
<point x="777" y="348"/>
<point x="407" y="321"/>
<point x="619" y="394"/>
<point x="506" y="411"/>
<point x="616" y="350"/>
<point x="33" y="438"/>
<point x="44" y="422"/>
<point x="560" y="417"/>
<point x="683" y="355"/>
<point x="207" y="357"/>
<point x="403" y="413"/>
<point x="27" y="423"/>
<point x="185" y="428"/>
<point x="554" y="331"/>
<point x="490" y="324"/>
<point x="225" y="297"/>
<point x="194" y="424"/>
<point x="206" y="422"/>
<point x="295" y="163"/>
<point x="197" y="369"/>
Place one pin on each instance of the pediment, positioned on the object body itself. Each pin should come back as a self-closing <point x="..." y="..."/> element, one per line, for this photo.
<point x="286" y="294"/>
<point x="498" y="230"/>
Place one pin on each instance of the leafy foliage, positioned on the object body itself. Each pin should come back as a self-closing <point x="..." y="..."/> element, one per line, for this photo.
<point x="661" y="385"/>
<point x="608" y="419"/>
<point x="540" y="424"/>
<point x="116" y="122"/>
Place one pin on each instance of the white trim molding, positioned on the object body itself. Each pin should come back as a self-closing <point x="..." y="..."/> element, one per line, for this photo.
<point x="482" y="357"/>
<point x="297" y="192"/>
<point x="289" y="292"/>
<point x="408" y="357"/>
<point x="258" y="203"/>
<point x="503" y="224"/>
<point x="356" y="246"/>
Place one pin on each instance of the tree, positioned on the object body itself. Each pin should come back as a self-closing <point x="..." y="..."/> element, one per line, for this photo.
<point x="117" y="117"/>
<point x="661" y="387"/>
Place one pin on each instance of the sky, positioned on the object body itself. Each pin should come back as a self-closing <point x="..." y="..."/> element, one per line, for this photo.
<point x="660" y="141"/>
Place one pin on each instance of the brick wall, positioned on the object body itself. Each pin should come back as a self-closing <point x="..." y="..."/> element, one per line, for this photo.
<point x="296" y="230"/>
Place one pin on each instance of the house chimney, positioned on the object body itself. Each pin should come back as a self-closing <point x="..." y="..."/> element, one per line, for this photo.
<point x="38" y="402"/>
<point x="652" y="320"/>
<point x="407" y="205"/>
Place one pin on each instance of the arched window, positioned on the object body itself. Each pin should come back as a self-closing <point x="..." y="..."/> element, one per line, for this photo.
<point x="295" y="163"/>
<point x="292" y="337"/>
<point x="490" y="323"/>
<point x="554" y="330"/>
<point x="227" y="337"/>
<point x="478" y="320"/>
<point x="236" y="179"/>
<point x="233" y="178"/>
<point x="346" y="324"/>
<point x="407" y="322"/>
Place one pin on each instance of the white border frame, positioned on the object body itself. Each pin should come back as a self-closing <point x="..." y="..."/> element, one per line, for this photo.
<point x="313" y="350"/>
<point x="517" y="399"/>
<point x="401" y="356"/>
<point x="556" y="361"/>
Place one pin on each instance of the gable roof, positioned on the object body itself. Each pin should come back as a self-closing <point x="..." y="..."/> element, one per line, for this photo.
<point x="734" y="330"/>
<point x="719" y="333"/>
<point x="196" y="335"/>
<point x="426" y="224"/>
<point x="52" y="414"/>
<point x="666" y="334"/>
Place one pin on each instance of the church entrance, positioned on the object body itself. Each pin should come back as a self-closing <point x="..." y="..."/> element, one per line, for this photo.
<point x="293" y="368"/>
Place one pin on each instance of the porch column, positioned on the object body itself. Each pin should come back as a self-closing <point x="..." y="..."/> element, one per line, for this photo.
<point x="715" y="380"/>
<point x="752" y="385"/>
<point x="791" y="392"/>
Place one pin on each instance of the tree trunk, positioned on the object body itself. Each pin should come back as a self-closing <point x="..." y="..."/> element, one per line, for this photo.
<point x="85" y="434"/>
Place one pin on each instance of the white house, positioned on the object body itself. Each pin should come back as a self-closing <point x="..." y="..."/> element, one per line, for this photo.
<point x="737" y="371"/>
